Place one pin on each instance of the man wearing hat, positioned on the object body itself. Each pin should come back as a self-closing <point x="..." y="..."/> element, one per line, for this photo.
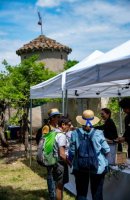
<point x="88" y="120"/>
<point x="51" y="125"/>
<point x="52" y="122"/>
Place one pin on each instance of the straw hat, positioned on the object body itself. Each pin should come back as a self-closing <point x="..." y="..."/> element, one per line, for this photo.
<point x="53" y="111"/>
<point x="87" y="118"/>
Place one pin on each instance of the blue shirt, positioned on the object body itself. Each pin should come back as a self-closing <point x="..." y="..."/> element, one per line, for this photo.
<point x="100" y="145"/>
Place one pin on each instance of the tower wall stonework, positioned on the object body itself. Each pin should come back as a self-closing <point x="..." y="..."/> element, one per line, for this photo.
<point x="54" y="60"/>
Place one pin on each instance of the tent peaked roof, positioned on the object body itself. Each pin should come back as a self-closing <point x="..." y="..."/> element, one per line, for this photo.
<point x="113" y="65"/>
<point x="53" y="87"/>
<point x="93" y="56"/>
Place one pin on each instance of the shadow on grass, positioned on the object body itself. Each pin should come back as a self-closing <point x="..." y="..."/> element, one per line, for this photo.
<point x="35" y="167"/>
<point x="41" y="171"/>
<point x="16" y="151"/>
<point x="9" y="193"/>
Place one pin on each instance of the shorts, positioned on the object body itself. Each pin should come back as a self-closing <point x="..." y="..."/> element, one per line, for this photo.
<point x="60" y="173"/>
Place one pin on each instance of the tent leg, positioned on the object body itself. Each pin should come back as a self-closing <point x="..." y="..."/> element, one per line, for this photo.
<point x="63" y="102"/>
<point x="30" y="132"/>
<point x="120" y="119"/>
<point x="66" y="102"/>
<point x="120" y="147"/>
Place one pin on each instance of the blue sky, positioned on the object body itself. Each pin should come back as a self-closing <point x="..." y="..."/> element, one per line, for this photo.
<point x="83" y="25"/>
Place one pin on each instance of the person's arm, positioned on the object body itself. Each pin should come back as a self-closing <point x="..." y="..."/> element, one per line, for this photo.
<point x="100" y="127"/>
<point x="114" y="130"/>
<point x="126" y="135"/>
<point x="63" y="156"/>
<point x="45" y="129"/>
<point x="110" y="131"/>
<point x="104" y="145"/>
<point x="62" y="153"/>
<point x="72" y="147"/>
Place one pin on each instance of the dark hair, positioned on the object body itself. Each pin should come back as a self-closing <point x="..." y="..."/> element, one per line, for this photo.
<point x="125" y="103"/>
<point x="107" y="111"/>
<point x="46" y="121"/>
<point x="63" y="120"/>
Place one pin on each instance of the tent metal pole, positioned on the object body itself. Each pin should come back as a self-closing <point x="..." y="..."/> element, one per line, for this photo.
<point x="30" y="132"/>
<point x="63" y="92"/>
<point x="63" y="102"/>
<point x="120" y="118"/>
<point x="66" y="102"/>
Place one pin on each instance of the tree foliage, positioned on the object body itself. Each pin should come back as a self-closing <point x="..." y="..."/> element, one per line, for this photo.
<point x="16" y="81"/>
<point x="70" y="63"/>
<point x="114" y="105"/>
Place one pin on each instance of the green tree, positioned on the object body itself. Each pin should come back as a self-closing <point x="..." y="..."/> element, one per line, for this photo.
<point x="114" y="105"/>
<point x="70" y="63"/>
<point x="16" y="81"/>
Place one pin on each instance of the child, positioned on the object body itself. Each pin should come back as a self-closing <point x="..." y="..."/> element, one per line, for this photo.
<point x="60" y="170"/>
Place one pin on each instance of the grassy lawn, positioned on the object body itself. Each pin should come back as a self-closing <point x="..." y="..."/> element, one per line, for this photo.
<point x="20" y="182"/>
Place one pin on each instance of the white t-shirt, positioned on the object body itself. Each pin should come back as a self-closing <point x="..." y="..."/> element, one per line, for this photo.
<point x="60" y="141"/>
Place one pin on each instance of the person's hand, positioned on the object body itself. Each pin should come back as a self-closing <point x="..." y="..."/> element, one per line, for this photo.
<point x="72" y="128"/>
<point x="121" y="139"/>
<point x="109" y="141"/>
<point x="116" y="140"/>
<point x="68" y="162"/>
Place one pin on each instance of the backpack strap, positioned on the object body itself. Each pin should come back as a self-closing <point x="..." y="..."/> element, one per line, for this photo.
<point x="80" y="134"/>
<point x="92" y="134"/>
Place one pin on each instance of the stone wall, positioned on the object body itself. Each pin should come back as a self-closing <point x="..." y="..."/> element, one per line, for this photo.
<point x="54" y="60"/>
<point x="75" y="107"/>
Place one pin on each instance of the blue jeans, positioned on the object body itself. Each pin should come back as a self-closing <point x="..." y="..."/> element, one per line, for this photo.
<point x="51" y="183"/>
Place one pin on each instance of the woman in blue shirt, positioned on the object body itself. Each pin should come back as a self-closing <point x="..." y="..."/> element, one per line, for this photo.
<point x="87" y="120"/>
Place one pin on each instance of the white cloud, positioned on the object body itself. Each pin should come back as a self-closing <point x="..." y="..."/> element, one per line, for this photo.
<point x="90" y="26"/>
<point x="52" y="3"/>
<point x="48" y="3"/>
<point x="84" y="27"/>
<point x="101" y="11"/>
<point x="8" y="51"/>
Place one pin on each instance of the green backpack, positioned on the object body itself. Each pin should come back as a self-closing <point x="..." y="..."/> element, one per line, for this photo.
<point x="45" y="153"/>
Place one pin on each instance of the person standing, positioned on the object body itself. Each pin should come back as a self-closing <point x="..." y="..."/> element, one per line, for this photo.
<point x="82" y="178"/>
<point x="109" y="128"/>
<point x="51" y="125"/>
<point x="60" y="169"/>
<point x="125" y="105"/>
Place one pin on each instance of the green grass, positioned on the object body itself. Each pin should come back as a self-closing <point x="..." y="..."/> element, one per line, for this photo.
<point x="20" y="182"/>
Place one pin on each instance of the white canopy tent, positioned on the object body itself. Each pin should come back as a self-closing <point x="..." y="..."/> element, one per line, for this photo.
<point x="112" y="66"/>
<point x="106" y="76"/>
<point x="111" y="70"/>
<point x="53" y="87"/>
<point x="106" y="89"/>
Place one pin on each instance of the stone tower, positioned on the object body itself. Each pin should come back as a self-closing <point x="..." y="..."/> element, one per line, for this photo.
<point x="52" y="53"/>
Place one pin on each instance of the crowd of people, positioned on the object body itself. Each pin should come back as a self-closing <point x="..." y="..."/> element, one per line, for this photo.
<point x="70" y="146"/>
<point x="84" y="149"/>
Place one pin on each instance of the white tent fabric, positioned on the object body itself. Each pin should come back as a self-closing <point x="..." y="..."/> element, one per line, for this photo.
<point x="113" y="65"/>
<point x="53" y="87"/>
<point x="106" y="89"/>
